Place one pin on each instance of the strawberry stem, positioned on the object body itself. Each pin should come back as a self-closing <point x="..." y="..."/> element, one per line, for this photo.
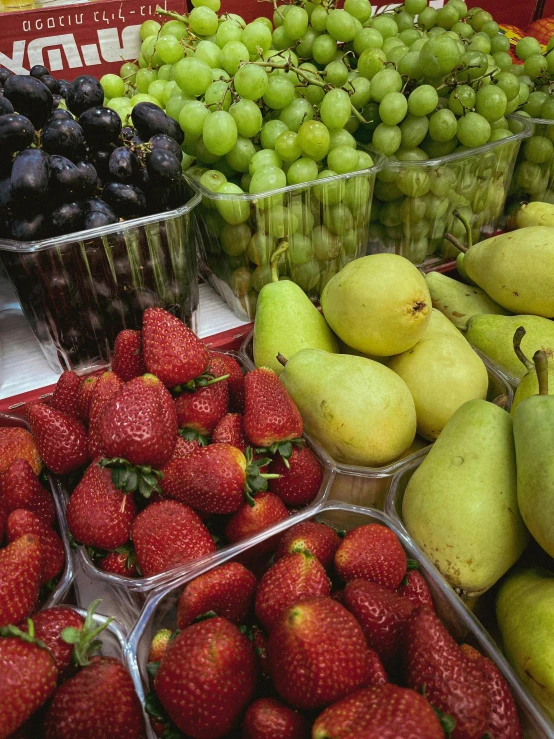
<point x="14" y="632"/>
<point x="130" y="478"/>
<point x="84" y="640"/>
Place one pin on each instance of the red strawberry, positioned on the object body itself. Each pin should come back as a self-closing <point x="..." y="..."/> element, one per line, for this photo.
<point x="107" y="386"/>
<point x="503" y="721"/>
<point x="294" y="578"/>
<point x="300" y="477"/>
<point x="203" y="407"/>
<point x="84" y="397"/>
<point x="171" y="351"/>
<point x="249" y="520"/>
<point x="18" y="443"/>
<point x="206" y="678"/>
<point x="384" y="712"/>
<point x="48" y="626"/>
<point x="159" y="645"/>
<point x="28" y="677"/>
<point x="99" y="515"/>
<point x="127" y="359"/>
<point x="171" y="472"/>
<point x="3" y="520"/>
<point x="414" y="587"/>
<point x="236" y="380"/>
<point x="123" y="561"/>
<point x="52" y="559"/>
<point x="65" y="397"/>
<point x="230" y="430"/>
<point x="99" y="701"/>
<point x="317" y="538"/>
<point x="61" y="439"/>
<point x="377" y="673"/>
<point x="372" y="552"/>
<point x="228" y="590"/>
<point x="270" y="415"/>
<point x="19" y="579"/>
<point x="267" y="718"/>
<point x="259" y="640"/>
<point x="452" y="682"/>
<point x="21" y="489"/>
<point x="168" y="534"/>
<point x="381" y="613"/>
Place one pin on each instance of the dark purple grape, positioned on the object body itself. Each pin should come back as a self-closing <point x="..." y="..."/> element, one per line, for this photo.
<point x="83" y="93"/>
<point x="163" y="141"/>
<point x="127" y="133"/>
<point x="16" y="133"/>
<point x="39" y="71"/>
<point x="56" y="100"/>
<point x="50" y="82"/>
<point x="63" y="87"/>
<point x="64" y="136"/>
<point x="101" y="126"/>
<point x="127" y="201"/>
<point x="98" y="213"/>
<point x="5" y="193"/>
<point x="123" y="165"/>
<point x="101" y="161"/>
<point x="5" y="106"/>
<point x="163" y="167"/>
<point x="4" y="74"/>
<point x="65" y="178"/>
<point x="149" y="120"/>
<point x="28" y="228"/>
<point x="58" y="114"/>
<point x="30" y="175"/>
<point x="29" y="97"/>
<point x="67" y="218"/>
<point x="89" y="178"/>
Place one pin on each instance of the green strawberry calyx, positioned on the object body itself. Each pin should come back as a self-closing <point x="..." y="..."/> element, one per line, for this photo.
<point x="26" y="636"/>
<point x="284" y="448"/>
<point x="84" y="640"/>
<point x="130" y="478"/>
<point x="192" y="435"/>
<point x="204" y="380"/>
<point x="154" y="708"/>
<point x="256" y="481"/>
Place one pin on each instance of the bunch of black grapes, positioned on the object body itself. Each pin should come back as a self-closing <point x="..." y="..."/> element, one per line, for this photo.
<point x="67" y="170"/>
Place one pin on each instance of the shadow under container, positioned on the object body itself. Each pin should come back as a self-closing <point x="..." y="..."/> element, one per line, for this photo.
<point x="414" y="201"/>
<point x="325" y="222"/>
<point x="533" y="178"/>
<point x="78" y="291"/>
<point x="160" y="611"/>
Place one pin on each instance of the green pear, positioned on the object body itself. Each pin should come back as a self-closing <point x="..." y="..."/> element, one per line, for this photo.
<point x="461" y="270"/>
<point x="345" y="349"/>
<point x="516" y="269"/>
<point x="359" y="410"/>
<point x="442" y="372"/>
<point x="535" y="214"/>
<point x="379" y="304"/>
<point x="287" y="321"/>
<point x="460" y="504"/>
<point x="525" y="615"/>
<point x="493" y="335"/>
<point x="529" y="384"/>
<point x="457" y="301"/>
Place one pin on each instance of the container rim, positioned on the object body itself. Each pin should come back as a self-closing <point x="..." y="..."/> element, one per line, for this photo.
<point x="530" y="120"/>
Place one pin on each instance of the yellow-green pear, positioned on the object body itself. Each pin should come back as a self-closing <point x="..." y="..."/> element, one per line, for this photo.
<point x="461" y="505"/>
<point x="516" y="269"/>
<point x="529" y="384"/>
<point x="345" y="349"/>
<point x="359" y="410"/>
<point x="525" y="616"/>
<point x="442" y="372"/>
<point x="379" y="304"/>
<point x="461" y="269"/>
<point x="535" y="214"/>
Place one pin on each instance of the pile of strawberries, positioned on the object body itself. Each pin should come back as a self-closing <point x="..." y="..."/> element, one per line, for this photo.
<point x="339" y="637"/>
<point x="32" y="555"/>
<point x="182" y="449"/>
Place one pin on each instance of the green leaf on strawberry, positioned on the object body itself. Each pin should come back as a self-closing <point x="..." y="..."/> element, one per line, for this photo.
<point x="192" y="435"/>
<point x="84" y="640"/>
<point x="130" y="478"/>
<point x="283" y="448"/>
<point x="447" y="722"/>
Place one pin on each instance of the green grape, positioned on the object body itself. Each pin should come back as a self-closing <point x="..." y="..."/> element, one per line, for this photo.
<point x="411" y="155"/>
<point x="338" y="219"/>
<point x="302" y="170"/>
<point x="352" y="124"/>
<point x="296" y="22"/>
<point x="295" y="113"/>
<point x="447" y="17"/>
<point x="550" y="43"/>
<point x="218" y="96"/>
<point x="490" y="102"/>
<point x="461" y="98"/>
<point x="423" y="100"/>
<point x="251" y="82"/>
<point x="336" y="74"/>
<point x="149" y="28"/>
<point x="314" y="139"/>
<point x="413" y="130"/>
<point x="550" y="63"/>
<point x="157" y="89"/>
<point x="413" y="182"/>
<point x="303" y="215"/>
<point x="214" y="5"/>
<point x="324" y="49"/>
<point x="203" y="21"/>
<point x="473" y="130"/>
<point x="341" y="25"/>
<point x="491" y="29"/>
<point x="228" y="32"/>
<point x="234" y="211"/>
<point x="390" y="43"/>
<point x="462" y="29"/>
<point x="460" y="6"/>
<point x="142" y="62"/>
<point x="412" y="210"/>
<point x="193" y="76"/>
<point x="500" y="123"/>
<point x="301" y="249"/>
<point x="437" y="149"/>
<point x="174" y="28"/>
<point x="264" y="158"/>
<point x="409" y="65"/>
<point x="357" y="196"/>
<point x="220" y="75"/>
<point x="385" y="81"/>
<point x="118" y="104"/>
<point x="499" y="43"/>
<point x="145" y="77"/>
<point x="439" y="56"/>
<point x="288" y="147"/>
<point x="385" y="24"/>
<point x="360" y="9"/>
<point x="175" y="104"/>
<point x="443" y="125"/>
<point x="232" y="54"/>
<point x="404" y="21"/>
<point x="538" y="149"/>
<point x="128" y="72"/>
<point x="474" y="63"/>
<point x="169" y="49"/>
<point x="261" y="247"/>
<point x="393" y="108"/>
<point x="280" y="93"/>
<point x="498" y="134"/>
<point x="340" y="137"/>
<point x="209" y="53"/>
<point x="335" y="109"/>
<point x="427" y="18"/>
<point x="202" y="154"/>
<point x="409" y="36"/>
<point x="418" y="45"/>
<point x="280" y="40"/>
<point x="165" y="72"/>
<point x="480" y="42"/>
<point x="240" y="155"/>
<point x="535" y="65"/>
<point x="526" y="47"/>
<point x="305" y="47"/>
<point x="248" y="117"/>
<point x="270" y="131"/>
<point x="534" y="103"/>
<point x="502" y="60"/>
<point x="478" y="18"/>
<point x="367" y="38"/>
<point x="396" y="54"/>
<point x="326" y="244"/>
<point x="343" y="159"/>
<point x="435" y="206"/>
<point x="319" y="19"/>
<point x="371" y="62"/>
<point x="112" y="85"/>
<point x="387" y="139"/>
<point x="256" y="35"/>
<point x="266" y="179"/>
<point x="362" y="92"/>
<point x="547" y="110"/>
<point x="523" y="94"/>
<point x="414" y="7"/>
<point x="306" y="275"/>
<point x="148" y="48"/>
<point x="219" y="133"/>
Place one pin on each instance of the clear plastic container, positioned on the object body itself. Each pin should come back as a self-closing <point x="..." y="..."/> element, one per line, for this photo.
<point x="78" y="291"/>
<point x="533" y="177"/>
<point x="368" y="486"/>
<point x="414" y="202"/>
<point x="160" y="611"/>
<point x="326" y="224"/>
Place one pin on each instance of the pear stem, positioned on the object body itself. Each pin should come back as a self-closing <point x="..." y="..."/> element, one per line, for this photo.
<point x="518" y="336"/>
<point x="501" y="401"/>
<point x="465" y="223"/>
<point x="454" y="241"/>
<point x="275" y="258"/>
<point x="283" y="360"/>
<point x="541" y="365"/>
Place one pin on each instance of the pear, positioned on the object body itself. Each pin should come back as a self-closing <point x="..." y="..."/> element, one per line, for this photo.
<point x="493" y="335"/>
<point x="460" y="505"/>
<point x="442" y="372"/>
<point x="525" y="615"/>
<point x="287" y="321"/>
<point x="457" y="301"/>
<point x="345" y="349"/>
<point x="535" y="214"/>
<point x="379" y="304"/>
<point x="529" y="384"/>
<point x="359" y="410"/>
<point x="516" y="269"/>
<point x="461" y="270"/>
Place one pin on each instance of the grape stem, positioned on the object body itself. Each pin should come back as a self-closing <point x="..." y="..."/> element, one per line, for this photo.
<point x="173" y="15"/>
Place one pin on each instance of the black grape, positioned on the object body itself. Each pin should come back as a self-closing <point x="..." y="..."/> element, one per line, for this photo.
<point x="58" y="114"/>
<point x="63" y="86"/>
<point x="5" y="106"/>
<point x="101" y="161"/>
<point x="123" y="165"/>
<point x="50" y="82"/>
<point x="16" y="133"/>
<point x="149" y="120"/>
<point x="127" y="201"/>
<point x="29" y="97"/>
<point x="101" y="126"/>
<point x="98" y="213"/>
<point x="89" y="178"/>
<point x="65" y="178"/>
<point x="4" y="74"/>
<point x="163" y="141"/>
<point x="163" y="167"/>
<point x="56" y="100"/>
<point x="30" y="175"/>
<point x="39" y="71"/>
<point x="83" y="93"/>
<point x="127" y="133"/>
<point x="64" y="136"/>
<point x="5" y="193"/>
<point x="67" y="218"/>
<point x="28" y="228"/>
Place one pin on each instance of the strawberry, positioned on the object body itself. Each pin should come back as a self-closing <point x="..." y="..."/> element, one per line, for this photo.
<point x="203" y="407"/>
<point x="61" y="439"/>
<point x="122" y="561"/>
<point x="99" y="515"/>
<point x="107" y="386"/>
<point x="251" y="519"/>
<point x="230" y="430"/>
<point x="48" y="626"/>
<point x="451" y="681"/>
<point x="292" y="579"/>
<point x="84" y="397"/>
<point x="270" y="415"/>
<point x="188" y="441"/>
<point x="18" y="443"/>
<point x="52" y="558"/>
<point x="167" y="534"/>
<point x="300" y="477"/>
<point x="503" y="721"/>
<point x="3" y="520"/>
<point x="206" y="678"/>
<point x="384" y="712"/>
<point x="320" y="540"/>
<point x="99" y="701"/>
<point x="171" y="351"/>
<point x="371" y="552"/>
<point x="377" y="673"/>
<point x="259" y="640"/>
<point x="227" y="590"/>
<point x="381" y="613"/>
<point x="317" y="654"/>
<point x="22" y="489"/>
<point x="414" y="587"/>
<point x="268" y="718"/>
<point x="159" y="645"/>
<point x="65" y="397"/>
<point x="236" y="380"/>
<point x="27" y="678"/>
<point x="127" y="359"/>
<point x="19" y="579"/>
